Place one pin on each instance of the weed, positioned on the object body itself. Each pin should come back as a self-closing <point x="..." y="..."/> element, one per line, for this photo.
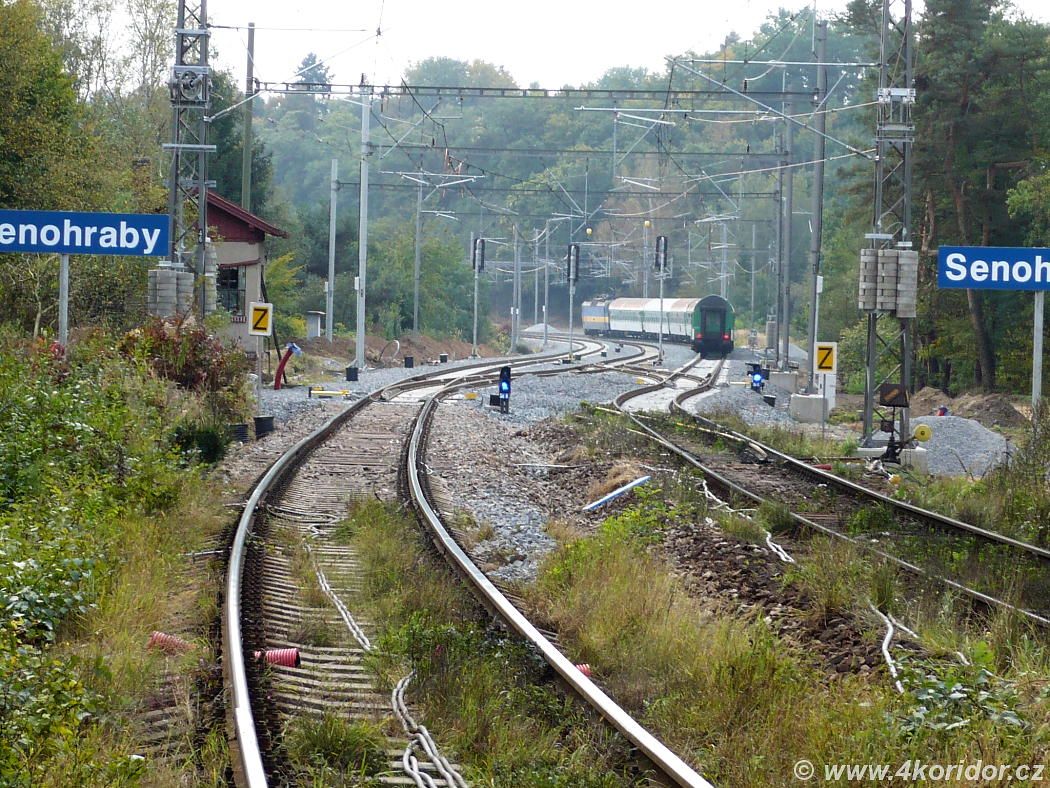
<point x="314" y="631"/>
<point x="741" y="527"/>
<point x="346" y="747"/>
<point x="869" y="519"/>
<point x="775" y="516"/>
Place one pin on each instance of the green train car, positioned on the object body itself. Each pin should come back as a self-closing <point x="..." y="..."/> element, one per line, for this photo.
<point x="705" y="323"/>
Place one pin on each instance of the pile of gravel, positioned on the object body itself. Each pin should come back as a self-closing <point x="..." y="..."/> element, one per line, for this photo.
<point x="960" y="447"/>
<point x="465" y="444"/>
<point x="537" y="398"/>
<point x="748" y="405"/>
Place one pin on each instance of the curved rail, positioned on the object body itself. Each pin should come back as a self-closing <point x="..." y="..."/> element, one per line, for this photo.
<point x="857" y="489"/>
<point x="248" y="766"/>
<point x="673" y="766"/>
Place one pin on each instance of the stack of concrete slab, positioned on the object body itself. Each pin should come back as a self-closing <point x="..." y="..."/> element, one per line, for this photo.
<point x="869" y="278"/>
<point x="907" y="282"/>
<point x="886" y="292"/>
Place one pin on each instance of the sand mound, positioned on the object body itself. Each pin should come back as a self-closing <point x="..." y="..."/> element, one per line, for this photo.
<point x="991" y="410"/>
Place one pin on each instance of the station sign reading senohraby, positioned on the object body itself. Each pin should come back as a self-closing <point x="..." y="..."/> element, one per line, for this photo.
<point x="76" y="232"/>
<point x="993" y="268"/>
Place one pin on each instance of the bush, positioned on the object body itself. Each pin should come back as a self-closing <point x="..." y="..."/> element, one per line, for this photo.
<point x="186" y="354"/>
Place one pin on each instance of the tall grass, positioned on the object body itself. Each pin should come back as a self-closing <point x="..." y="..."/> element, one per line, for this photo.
<point x="97" y="507"/>
<point x="738" y="701"/>
<point x="485" y="695"/>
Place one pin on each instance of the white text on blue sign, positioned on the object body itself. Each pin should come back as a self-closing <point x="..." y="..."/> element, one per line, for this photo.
<point x="74" y="232"/>
<point x="993" y="268"/>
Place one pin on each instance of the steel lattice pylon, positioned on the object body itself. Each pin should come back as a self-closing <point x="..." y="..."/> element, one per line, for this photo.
<point x="891" y="222"/>
<point x="190" y="88"/>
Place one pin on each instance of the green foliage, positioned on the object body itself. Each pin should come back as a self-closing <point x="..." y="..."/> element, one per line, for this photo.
<point x="187" y="355"/>
<point x="947" y="696"/>
<point x="330" y="743"/>
<point x="776" y="517"/>
<point x="84" y="449"/>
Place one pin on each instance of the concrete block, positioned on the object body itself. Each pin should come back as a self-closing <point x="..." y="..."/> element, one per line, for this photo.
<point x="788" y="381"/>
<point x="809" y="408"/>
<point x="871" y="452"/>
<point x="918" y="459"/>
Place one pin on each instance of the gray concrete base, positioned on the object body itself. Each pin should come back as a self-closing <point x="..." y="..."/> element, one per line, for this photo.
<point x="809" y="408"/>
<point x="788" y="381"/>
<point x="871" y="452"/>
<point x="917" y="459"/>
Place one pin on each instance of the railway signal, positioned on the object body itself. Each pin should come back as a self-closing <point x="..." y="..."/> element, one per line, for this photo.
<point x="572" y="272"/>
<point x="660" y="265"/>
<point x="504" y="389"/>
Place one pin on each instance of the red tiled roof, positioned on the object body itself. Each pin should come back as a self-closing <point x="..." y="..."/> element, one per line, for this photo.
<point x="250" y="219"/>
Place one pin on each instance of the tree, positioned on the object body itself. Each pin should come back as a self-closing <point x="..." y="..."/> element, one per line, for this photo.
<point x="977" y="76"/>
<point x="37" y="124"/>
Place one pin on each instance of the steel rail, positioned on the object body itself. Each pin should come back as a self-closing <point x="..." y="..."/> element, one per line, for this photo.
<point x="671" y="764"/>
<point x="804" y="521"/>
<point x="847" y="484"/>
<point x="248" y="767"/>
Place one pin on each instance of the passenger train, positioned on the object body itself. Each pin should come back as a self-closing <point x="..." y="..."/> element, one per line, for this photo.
<point x="706" y="323"/>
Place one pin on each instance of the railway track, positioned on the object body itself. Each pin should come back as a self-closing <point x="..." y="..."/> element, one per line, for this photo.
<point x="298" y="501"/>
<point x="986" y="567"/>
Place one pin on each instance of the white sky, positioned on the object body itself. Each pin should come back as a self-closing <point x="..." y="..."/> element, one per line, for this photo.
<point x="543" y="41"/>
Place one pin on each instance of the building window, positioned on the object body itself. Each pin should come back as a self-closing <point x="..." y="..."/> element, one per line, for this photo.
<point x="230" y="287"/>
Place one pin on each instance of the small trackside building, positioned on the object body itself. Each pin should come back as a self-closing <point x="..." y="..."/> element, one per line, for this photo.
<point x="239" y="242"/>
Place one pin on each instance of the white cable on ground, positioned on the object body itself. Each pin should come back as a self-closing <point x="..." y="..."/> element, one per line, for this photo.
<point x="886" y="648"/>
<point x="410" y="765"/>
<point x="779" y="551"/>
<point x="417" y="734"/>
<point x="421" y="736"/>
<point x="348" y="619"/>
<point x="904" y="629"/>
<point x="720" y="505"/>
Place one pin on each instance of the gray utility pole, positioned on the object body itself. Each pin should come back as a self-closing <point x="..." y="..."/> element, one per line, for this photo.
<point x="329" y="296"/>
<point x="645" y="259"/>
<point x="246" y="152"/>
<point x="536" y="280"/>
<point x="190" y="88"/>
<point x="515" y="309"/>
<point x="546" y="277"/>
<point x="818" y="201"/>
<point x="362" y="234"/>
<point x="725" y="262"/>
<point x="890" y="237"/>
<point x="1037" y="351"/>
<point x="63" y="300"/>
<point x="415" y="268"/>
<point x="661" y="274"/>
<point x="572" y="260"/>
<point x="780" y="249"/>
<point x="754" y="263"/>
<point x="477" y="262"/>
<point x="785" y="292"/>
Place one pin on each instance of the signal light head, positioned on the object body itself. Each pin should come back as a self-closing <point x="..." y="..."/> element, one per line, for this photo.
<point x="757" y="377"/>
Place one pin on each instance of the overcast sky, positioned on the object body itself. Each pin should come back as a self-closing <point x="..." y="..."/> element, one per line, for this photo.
<point x="549" y="42"/>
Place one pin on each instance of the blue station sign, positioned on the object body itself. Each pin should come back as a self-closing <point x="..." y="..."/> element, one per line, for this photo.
<point x="74" y="232"/>
<point x="993" y="268"/>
